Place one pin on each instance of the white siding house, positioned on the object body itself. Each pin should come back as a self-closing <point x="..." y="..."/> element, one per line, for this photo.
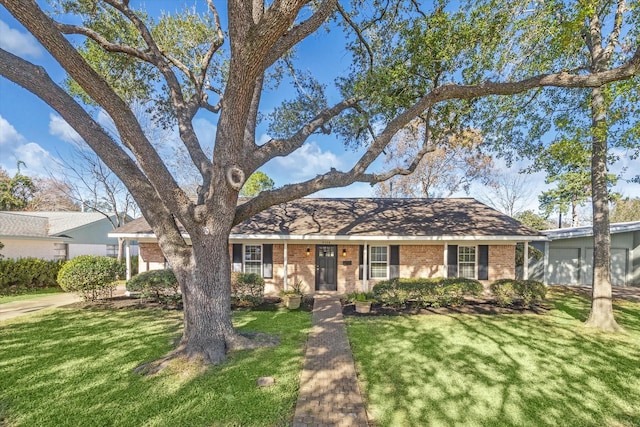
<point x="57" y="235"/>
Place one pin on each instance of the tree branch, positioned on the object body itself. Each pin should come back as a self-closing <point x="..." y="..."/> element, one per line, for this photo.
<point x="615" y="32"/>
<point x="335" y="178"/>
<point x="37" y="81"/>
<point x="299" y="32"/>
<point x="283" y="147"/>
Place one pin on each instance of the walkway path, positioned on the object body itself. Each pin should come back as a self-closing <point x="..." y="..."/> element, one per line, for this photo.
<point x="329" y="393"/>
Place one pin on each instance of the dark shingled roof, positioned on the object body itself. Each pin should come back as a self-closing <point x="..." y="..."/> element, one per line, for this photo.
<point x="373" y="217"/>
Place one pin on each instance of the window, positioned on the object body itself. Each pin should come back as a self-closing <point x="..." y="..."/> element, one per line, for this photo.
<point x="379" y="262"/>
<point x="467" y="262"/>
<point x="253" y="259"/>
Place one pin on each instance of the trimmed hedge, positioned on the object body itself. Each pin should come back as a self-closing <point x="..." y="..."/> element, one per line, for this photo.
<point x="440" y="292"/>
<point x="511" y="291"/>
<point x="247" y="289"/>
<point x="159" y="285"/>
<point x="91" y="276"/>
<point x="26" y="274"/>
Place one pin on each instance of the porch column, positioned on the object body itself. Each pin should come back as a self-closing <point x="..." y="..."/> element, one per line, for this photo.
<point x="127" y="254"/>
<point x="525" y="266"/>
<point x="365" y="269"/>
<point x="446" y="258"/>
<point x="286" y="270"/>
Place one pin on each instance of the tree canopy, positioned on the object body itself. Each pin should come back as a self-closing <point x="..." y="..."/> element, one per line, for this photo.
<point x="430" y="63"/>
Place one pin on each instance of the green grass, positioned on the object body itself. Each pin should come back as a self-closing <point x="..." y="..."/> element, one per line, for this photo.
<point x="29" y="295"/>
<point x="74" y="368"/>
<point x="507" y="370"/>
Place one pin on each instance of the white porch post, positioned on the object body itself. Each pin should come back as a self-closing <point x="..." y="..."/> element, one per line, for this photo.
<point x="127" y="254"/>
<point x="365" y="270"/>
<point x="286" y="269"/>
<point x="446" y="259"/>
<point x="525" y="266"/>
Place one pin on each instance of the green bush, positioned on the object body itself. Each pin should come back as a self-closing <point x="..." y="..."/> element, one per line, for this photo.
<point x="90" y="276"/>
<point x="26" y="274"/>
<point x="247" y="289"/>
<point x="511" y="291"/>
<point x="360" y="297"/>
<point x="440" y="292"/>
<point x="159" y="285"/>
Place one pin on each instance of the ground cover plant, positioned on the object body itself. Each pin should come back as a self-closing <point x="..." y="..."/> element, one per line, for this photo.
<point x="75" y="367"/>
<point x="462" y="369"/>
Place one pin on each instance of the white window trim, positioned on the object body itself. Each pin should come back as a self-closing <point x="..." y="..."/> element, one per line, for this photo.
<point x="370" y="262"/>
<point x="475" y="261"/>
<point x="244" y="260"/>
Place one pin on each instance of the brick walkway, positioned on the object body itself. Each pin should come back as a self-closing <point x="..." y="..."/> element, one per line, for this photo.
<point x="329" y="392"/>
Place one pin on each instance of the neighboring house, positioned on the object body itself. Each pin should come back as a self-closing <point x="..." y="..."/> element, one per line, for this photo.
<point x="347" y="245"/>
<point x="57" y="235"/>
<point x="568" y="256"/>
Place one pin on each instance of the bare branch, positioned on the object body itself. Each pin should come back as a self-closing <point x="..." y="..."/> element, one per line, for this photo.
<point x="358" y="32"/>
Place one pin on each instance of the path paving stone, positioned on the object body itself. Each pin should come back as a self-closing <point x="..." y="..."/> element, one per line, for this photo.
<point x="329" y="392"/>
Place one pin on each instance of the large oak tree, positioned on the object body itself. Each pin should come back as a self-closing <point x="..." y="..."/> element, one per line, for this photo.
<point x="407" y="59"/>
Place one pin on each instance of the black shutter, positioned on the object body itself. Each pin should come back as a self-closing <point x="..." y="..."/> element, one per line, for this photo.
<point x="483" y="262"/>
<point x="267" y="261"/>
<point x="452" y="261"/>
<point x="394" y="261"/>
<point x="237" y="257"/>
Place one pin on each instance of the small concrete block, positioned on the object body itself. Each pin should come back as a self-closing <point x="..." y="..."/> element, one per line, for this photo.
<point x="265" y="381"/>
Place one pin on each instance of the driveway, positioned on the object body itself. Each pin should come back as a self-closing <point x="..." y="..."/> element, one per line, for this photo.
<point x="20" y="308"/>
<point x="630" y="293"/>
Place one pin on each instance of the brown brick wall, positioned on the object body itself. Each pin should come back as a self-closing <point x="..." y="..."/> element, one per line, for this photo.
<point x="421" y="261"/>
<point x="150" y="257"/>
<point x="502" y="262"/>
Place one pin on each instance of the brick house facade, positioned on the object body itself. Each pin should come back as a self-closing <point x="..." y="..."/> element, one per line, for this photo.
<point x="348" y="245"/>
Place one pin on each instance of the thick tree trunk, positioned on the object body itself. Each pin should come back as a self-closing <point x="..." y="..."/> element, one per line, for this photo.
<point x="601" y="315"/>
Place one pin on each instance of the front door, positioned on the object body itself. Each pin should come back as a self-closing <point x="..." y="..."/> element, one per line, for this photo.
<point x="326" y="268"/>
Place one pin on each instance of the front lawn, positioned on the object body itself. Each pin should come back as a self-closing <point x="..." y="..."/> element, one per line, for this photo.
<point x="500" y="370"/>
<point x="74" y="368"/>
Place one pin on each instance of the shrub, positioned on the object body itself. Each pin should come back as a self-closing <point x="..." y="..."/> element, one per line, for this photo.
<point x="159" y="285"/>
<point x="511" y="291"/>
<point x="90" y="276"/>
<point x="360" y="297"/>
<point x="25" y="274"/>
<point x="247" y="289"/>
<point x="442" y="292"/>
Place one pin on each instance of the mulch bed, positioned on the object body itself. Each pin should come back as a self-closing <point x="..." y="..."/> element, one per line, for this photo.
<point x="476" y="306"/>
<point x="123" y="302"/>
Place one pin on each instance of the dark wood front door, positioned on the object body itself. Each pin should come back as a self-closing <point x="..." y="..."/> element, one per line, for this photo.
<point x="326" y="268"/>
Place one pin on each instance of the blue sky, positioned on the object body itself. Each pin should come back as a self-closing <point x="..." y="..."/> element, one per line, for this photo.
<point x="32" y="132"/>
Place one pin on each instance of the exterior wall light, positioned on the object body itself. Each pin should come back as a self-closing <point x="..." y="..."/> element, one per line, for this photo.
<point x="344" y="252"/>
<point x="308" y="251"/>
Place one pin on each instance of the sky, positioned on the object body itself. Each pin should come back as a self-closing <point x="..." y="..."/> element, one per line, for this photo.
<point x="33" y="133"/>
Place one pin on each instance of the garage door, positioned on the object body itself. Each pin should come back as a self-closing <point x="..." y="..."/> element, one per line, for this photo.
<point x="618" y="267"/>
<point x="564" y="266"/>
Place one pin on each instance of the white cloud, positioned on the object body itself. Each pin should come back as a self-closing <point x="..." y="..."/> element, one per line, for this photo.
<point x="16" y="148"/>
<point x="308" y="161"/>
<point x="63" y="130"/>
<point x="206" y="132"/>
<point x="17" y="42"/>
<point x="9" y="136"/>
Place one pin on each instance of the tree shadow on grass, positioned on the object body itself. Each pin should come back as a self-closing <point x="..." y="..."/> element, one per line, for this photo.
<point x="499" y="370"/>
<point x="74" y="367"/>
